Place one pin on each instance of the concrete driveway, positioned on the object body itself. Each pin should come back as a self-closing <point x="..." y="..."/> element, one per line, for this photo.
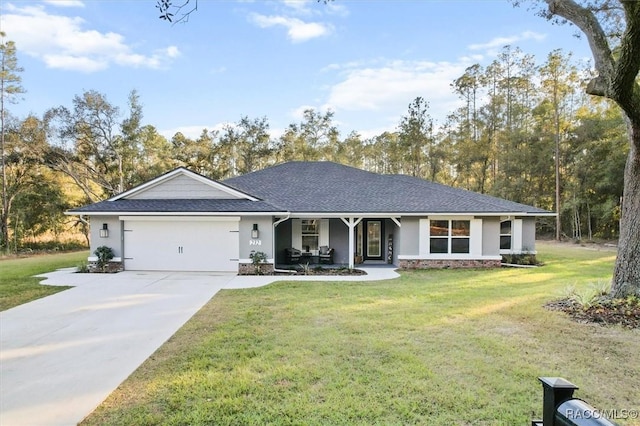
<point x="62" y="355"/>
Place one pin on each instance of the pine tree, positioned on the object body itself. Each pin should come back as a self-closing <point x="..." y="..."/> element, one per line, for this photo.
<point x="10" y="89"/>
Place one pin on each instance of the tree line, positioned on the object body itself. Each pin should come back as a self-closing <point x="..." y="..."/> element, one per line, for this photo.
<point x="525" y="132"/>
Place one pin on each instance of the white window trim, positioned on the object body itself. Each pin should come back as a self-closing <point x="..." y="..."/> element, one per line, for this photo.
<point x="516" y="237"/>
<point x="296" y="233"/>
<point x="475" y="239"/>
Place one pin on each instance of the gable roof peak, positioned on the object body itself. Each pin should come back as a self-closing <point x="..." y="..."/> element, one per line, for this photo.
<point x="182" y="171"/>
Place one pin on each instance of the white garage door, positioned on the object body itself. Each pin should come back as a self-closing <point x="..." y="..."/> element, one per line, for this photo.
<point x="181" y="244"/>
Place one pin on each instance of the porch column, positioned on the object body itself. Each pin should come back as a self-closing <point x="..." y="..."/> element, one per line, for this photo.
<point x="351" y="223"/>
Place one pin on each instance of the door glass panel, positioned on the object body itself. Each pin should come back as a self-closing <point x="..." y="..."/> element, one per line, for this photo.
<point x="374" y="239"/>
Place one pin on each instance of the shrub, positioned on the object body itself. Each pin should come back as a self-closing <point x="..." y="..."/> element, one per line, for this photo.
<point x="257" y="259"/>
<point x="593" y="295"/>
<point x="104" y="254"/>
<point x="520" y="259"/>
<point x="83" y="267"/>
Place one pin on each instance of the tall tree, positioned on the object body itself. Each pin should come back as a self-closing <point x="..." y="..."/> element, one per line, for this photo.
<point x="417" y="140"/>
<point x="35" y="199"/>
<point x="319" y="133"/>
<point x="617" y="61"/>
<point x="253" y="145"/>
<point x="129" y="143"/>
<point x="199" y="155"/>
<point x="156" y="155"/>
<point x="471" y="153"/>
<point x="89" y="146"/>
<point x="595" y="172"/>
<point x="10" y="89"/>
<point x="559" y="79"/>
<point x="309" y="140"/>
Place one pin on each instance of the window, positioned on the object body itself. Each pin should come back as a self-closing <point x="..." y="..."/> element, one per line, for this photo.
<point x="505" y="235"/>
<point x="310" y="234"/>
<point x="449" y="236"/>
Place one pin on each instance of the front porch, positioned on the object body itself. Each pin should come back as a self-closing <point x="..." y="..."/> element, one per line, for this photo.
<point x="354" y="241"/>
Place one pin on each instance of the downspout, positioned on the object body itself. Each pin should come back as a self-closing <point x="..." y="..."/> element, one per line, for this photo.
<point x="273" y="245"/>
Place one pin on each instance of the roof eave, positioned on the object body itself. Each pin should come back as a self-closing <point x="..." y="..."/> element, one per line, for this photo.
<point x="416" y="214"/>
<point x="176" y="213"/>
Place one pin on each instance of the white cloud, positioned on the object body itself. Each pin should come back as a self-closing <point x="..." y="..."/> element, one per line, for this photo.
<point x="397" y="82"/>
<point x="297" y="30"/>
<point x="69" y="62"/>
<point x="65" y="3"/>
<point x="63" y="42"/>
<point x="503" y="41"/>
<point x="299" y="6"/>
<point x="313" y="7"/>
<point x="379" y="92"/>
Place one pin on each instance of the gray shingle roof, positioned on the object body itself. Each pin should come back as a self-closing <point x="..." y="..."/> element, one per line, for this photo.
<point x="331" y="187"/>
<point x="325" y="187"/>
<point x="176" y="206"/>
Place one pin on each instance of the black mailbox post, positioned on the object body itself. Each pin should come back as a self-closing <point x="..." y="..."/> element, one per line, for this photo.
<point x="561" y="409"/>
<point x="556" y="390"/>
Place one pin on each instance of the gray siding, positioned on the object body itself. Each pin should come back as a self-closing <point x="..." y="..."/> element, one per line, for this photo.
<point x="339" y="241"/>
<point x="283" y="240"/>
<point x="409" y="237"/>
<point x="528" y="234"/>
<point x="391" y="229"/>
<point x="265" y="237"/>
<point x="181" y="187"/>
<point x="491" y="236"/>
<point x="115" y="234"/>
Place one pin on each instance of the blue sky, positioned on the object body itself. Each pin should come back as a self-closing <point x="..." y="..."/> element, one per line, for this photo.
<point x="366" y="60"/>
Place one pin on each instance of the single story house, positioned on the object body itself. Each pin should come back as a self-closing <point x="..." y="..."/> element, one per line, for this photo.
<point x="293" y="212"/>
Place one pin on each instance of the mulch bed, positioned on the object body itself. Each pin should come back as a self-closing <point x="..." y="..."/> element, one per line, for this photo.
<point x="606" y="311"/>
<point x="324" y="271"/>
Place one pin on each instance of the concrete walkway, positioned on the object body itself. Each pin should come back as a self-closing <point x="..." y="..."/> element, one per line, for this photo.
<point x="62" y="355"/>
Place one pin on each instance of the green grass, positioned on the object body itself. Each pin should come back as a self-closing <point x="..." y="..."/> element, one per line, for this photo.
<point x="450" y="347"/>
<point x="17" y="282"/>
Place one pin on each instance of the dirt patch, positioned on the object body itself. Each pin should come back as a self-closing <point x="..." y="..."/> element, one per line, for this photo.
<point x="606" y="311"/>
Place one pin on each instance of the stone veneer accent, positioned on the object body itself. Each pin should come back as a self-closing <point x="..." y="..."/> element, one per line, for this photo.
<point x="447" y="263"/>
<point x="110" y="268"/>
<point x="249" y="269"/>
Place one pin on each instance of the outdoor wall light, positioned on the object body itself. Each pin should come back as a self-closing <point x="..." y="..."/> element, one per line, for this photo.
<point x="254" y="232"/>
<point x="104" y="232"/>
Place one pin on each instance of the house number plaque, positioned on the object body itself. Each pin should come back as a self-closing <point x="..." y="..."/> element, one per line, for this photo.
<point x="255" y="242"/>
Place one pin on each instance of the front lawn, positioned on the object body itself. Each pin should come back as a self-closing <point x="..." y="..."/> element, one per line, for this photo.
<point x="17" y="282"/>
<point x="448" y="347"/>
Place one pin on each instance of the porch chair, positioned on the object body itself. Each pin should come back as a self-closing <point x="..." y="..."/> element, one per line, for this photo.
<point x="325" y="255"/>
<point x="292" y="255"/>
